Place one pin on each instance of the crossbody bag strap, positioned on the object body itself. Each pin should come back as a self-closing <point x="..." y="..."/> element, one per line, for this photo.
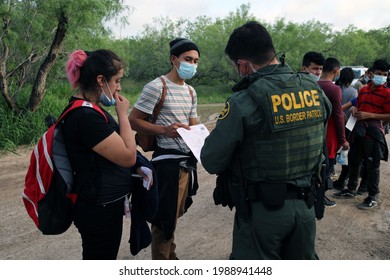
<point x="191" y="93"/>
<point x="159" y="105"/>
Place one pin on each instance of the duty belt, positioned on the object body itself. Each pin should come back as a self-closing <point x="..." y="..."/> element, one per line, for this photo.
<point x="292" y="192"/>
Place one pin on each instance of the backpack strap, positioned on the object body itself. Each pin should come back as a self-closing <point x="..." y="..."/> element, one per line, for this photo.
<point x="77" y="104"/>
<point x="159" y="105"/>
<point x="191" y="93"/>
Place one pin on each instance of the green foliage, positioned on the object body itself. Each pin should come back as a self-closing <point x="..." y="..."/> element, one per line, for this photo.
<point x="213" y="94"/>
<point x="354" y="49"/>
<point x="13" y="129"/>
<point x="25" y="129"/>
<point x="21" y="129"/>
<point x="131" y="89"/>
<point x="33" y="24"/>
<point x="148" y="55"/>
<point x="297" y="39"/>
<point x="381" y="40"/>
<point x="18" y="129"/>
<point x="29" y="29"/>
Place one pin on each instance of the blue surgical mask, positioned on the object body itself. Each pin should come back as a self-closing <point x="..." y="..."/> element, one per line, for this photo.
<point x="336" y="78"/>
<point x="379" y="80"/>
<point x="186" y="70"/>
<point x="104" y="98"/>
<point x="366" y="79"/>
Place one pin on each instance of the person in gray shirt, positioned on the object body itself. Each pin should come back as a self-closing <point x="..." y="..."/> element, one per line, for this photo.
<point x="348" y="93"/>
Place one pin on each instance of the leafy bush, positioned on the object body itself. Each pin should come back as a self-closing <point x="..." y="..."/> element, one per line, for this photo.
<point x="26" y="128"/>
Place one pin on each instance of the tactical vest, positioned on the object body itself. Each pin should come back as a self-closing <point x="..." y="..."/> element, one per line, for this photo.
<point x="288" y="143"/>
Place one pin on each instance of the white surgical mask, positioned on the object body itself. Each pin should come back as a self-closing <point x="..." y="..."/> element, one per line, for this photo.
<point x="315" y="77"/>
<point x="379" y="80"/>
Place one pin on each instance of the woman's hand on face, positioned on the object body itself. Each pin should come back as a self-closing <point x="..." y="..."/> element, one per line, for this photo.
<point x="122" y="105"/>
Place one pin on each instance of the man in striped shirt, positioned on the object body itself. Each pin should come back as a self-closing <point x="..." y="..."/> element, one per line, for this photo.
<point x="174" y="163"/>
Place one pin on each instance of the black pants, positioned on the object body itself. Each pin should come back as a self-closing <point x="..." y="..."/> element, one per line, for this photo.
<point x="369" y="150"/>
<point x="100" y="227"/>
<point x="345" y="174"/>
<point x="345" y="168"/>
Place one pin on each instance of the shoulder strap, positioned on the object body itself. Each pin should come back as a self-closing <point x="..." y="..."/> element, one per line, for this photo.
<point x="159" y="105"/>
<point x="191" y="93"/>
<point x="77" y="104"/>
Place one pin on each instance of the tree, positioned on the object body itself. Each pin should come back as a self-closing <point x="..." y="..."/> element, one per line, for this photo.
<point x="381" y="39"/>
<point x="211" y="37"/>
<point x="295" y="39"/>
<point x="351" y="47"/>
<point x="35" y="31"/>
<point x="148" y="54"/>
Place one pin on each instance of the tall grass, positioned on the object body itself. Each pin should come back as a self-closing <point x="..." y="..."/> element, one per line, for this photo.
<point x="26" y="128"/>
<point x="213" y="94"/>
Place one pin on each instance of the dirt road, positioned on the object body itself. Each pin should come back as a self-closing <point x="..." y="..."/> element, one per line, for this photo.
<point x="204" y="233"/>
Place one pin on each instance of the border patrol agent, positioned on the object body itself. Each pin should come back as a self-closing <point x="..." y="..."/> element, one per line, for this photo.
<point x="265" y="148"/>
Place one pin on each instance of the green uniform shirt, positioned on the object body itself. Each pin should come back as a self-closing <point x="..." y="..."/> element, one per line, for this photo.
<point x="245" y="126"/>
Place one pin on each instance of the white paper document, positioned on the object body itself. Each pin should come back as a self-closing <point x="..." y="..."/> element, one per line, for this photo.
<point x="194" y="138"/>
<point x="149" y="174"/>
<point x="351" y="122"/>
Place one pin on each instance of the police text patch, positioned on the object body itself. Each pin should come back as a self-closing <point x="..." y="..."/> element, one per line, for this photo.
<point x="291" y="109"/>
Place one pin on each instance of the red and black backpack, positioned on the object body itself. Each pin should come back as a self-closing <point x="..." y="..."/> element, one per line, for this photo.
<point x="47" y="194"/>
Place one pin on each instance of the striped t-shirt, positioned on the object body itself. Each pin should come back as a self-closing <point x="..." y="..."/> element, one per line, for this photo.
<point x="178" y="107"/>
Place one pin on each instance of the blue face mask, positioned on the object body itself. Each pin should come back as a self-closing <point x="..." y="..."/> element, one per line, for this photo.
<point x="366" y="79"/>
<point x="104" y="98"/>
<point x="186" y="70"/>
<point x="379" y="80"/>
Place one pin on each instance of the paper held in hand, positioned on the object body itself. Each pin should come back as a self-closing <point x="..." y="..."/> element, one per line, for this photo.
<point x="147" y="183"/>
<point x="351" y="123"/>
<point x="194" y="138"/>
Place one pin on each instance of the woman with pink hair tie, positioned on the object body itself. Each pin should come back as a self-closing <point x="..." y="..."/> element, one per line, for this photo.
<point x="101" y="151"/>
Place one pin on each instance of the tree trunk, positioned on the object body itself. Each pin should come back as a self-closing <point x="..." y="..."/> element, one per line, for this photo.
<point x="4" y="82"/>
<point x="3" y="68"/>
<point x="38" y="89"/>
